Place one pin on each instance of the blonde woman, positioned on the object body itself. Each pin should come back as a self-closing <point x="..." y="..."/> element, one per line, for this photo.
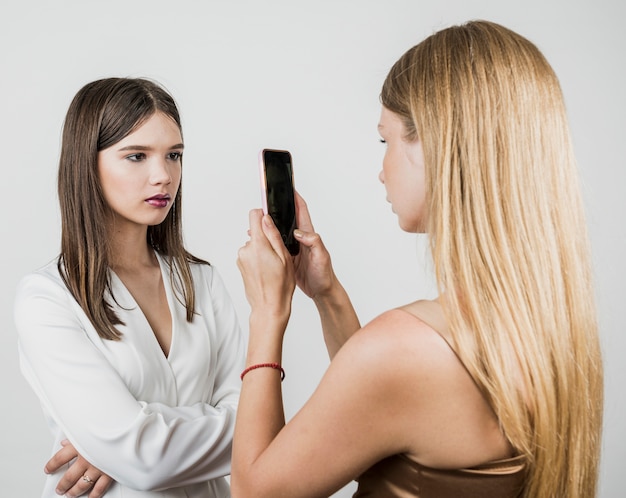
<point x="495" y="387"/>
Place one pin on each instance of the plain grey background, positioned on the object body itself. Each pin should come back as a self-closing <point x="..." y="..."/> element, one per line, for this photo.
<point x="303" y="76"/>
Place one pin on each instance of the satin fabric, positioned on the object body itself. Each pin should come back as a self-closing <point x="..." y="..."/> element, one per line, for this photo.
<point x="400" y="477"/>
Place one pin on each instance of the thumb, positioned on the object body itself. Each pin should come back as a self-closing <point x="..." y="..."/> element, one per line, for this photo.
<point x="311" y="240"/>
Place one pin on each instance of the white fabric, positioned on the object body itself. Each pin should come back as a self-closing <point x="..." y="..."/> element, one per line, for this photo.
<point x="149" y="421"/>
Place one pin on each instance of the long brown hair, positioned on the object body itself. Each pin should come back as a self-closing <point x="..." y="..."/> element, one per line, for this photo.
<point x="101" y="114"/>
<point x="509" y="241"/>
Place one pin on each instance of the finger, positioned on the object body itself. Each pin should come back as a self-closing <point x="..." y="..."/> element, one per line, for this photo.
<point x="311" y="240"/>
<point x="101" y="486"/>
<point x="72" y="477"/>
<point x="254" y="218"/>
<point x="65" y="455"/>
<point x="273" y="236"/>
<point x="84" y="483"/>
<point x="255" y="232"/>
<point x="302" y="214"/>
<point x="241" y="258"/>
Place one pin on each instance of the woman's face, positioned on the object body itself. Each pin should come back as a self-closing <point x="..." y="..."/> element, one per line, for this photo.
<point x="140" y="174"/>
<point x="403" y="173"/>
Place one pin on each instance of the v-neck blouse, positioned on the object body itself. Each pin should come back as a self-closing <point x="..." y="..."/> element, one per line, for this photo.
<point x="159" y="426"/>
<point x="118" y="288"/>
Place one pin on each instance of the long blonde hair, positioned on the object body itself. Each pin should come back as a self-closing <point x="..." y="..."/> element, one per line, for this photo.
<point x="509" y="242"/>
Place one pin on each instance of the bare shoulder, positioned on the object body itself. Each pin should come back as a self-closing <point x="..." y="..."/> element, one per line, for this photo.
<point x="401" y="336"/>
<point x="371" y="400"/>
<point x="407" y="354"/>
<point x="412" y="370"/>
<point x="395" y="387"/>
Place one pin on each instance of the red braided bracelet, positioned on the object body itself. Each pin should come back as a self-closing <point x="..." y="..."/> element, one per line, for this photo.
<point x="275" y="366"/>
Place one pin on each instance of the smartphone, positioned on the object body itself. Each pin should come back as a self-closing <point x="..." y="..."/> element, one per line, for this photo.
<point x="278" y="193"/>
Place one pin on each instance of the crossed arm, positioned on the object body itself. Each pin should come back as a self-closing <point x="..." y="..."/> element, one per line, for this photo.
<point x="73" y="483"/>
<point x="141" y="445"/>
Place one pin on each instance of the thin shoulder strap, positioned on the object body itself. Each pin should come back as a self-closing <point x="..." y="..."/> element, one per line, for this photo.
<point x="431" y="314"/>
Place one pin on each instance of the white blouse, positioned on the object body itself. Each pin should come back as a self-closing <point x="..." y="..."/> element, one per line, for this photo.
<point x="159" y="426"/>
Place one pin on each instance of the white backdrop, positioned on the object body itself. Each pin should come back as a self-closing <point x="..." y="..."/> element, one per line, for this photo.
<point x="303" y="76"/>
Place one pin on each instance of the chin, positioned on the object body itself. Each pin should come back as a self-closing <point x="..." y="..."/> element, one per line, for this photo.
<point x="412" y="227"/>
<point x="408" y="228"/>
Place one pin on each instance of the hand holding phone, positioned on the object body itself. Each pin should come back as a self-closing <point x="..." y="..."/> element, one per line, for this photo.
<point x="278" y="193"/>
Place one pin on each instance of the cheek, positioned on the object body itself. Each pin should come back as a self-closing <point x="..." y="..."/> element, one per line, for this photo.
<point x="421" y="207"/>
<point x="177" y="176"/>
<point x="113" y="185"/>
<point x="107" y="183"/>
<point x="119" y="189"/>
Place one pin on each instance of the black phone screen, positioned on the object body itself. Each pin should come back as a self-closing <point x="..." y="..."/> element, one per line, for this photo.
<point x="281" y="203"/>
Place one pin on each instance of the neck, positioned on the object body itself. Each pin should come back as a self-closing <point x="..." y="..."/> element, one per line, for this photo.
<point x="129" y="250"/>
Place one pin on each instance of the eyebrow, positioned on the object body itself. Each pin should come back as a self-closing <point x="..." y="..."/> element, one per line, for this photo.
<point x="144" y="147"/>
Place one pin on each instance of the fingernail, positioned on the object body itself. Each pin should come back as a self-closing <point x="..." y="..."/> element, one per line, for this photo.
<point x="298" y="234"/>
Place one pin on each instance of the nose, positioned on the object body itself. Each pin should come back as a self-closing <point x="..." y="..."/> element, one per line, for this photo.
<point x="381" y="177"/>
<point x="160" y="172"/>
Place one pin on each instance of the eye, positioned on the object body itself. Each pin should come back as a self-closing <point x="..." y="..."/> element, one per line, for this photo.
<point x="139" y="156"/>
<point x="383" y="141"/>
<point x="175" y="156"/>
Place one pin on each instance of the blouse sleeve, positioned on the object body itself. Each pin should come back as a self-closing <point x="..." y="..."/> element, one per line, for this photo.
<point x="232" y="344"/>
<point x="145" y="446"/>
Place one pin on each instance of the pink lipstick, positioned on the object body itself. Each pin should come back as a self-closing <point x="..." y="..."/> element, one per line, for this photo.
<point x="159" y="200"/>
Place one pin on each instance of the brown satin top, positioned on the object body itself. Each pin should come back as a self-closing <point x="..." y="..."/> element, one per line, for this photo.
<point x="399" y="476"/>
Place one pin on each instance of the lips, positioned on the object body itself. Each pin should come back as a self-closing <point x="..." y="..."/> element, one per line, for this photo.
<point x="159" y="200"/>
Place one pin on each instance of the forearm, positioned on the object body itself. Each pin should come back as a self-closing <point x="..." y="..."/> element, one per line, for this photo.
<point x="260" y="415"/>
<point x="338" y="317"/>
